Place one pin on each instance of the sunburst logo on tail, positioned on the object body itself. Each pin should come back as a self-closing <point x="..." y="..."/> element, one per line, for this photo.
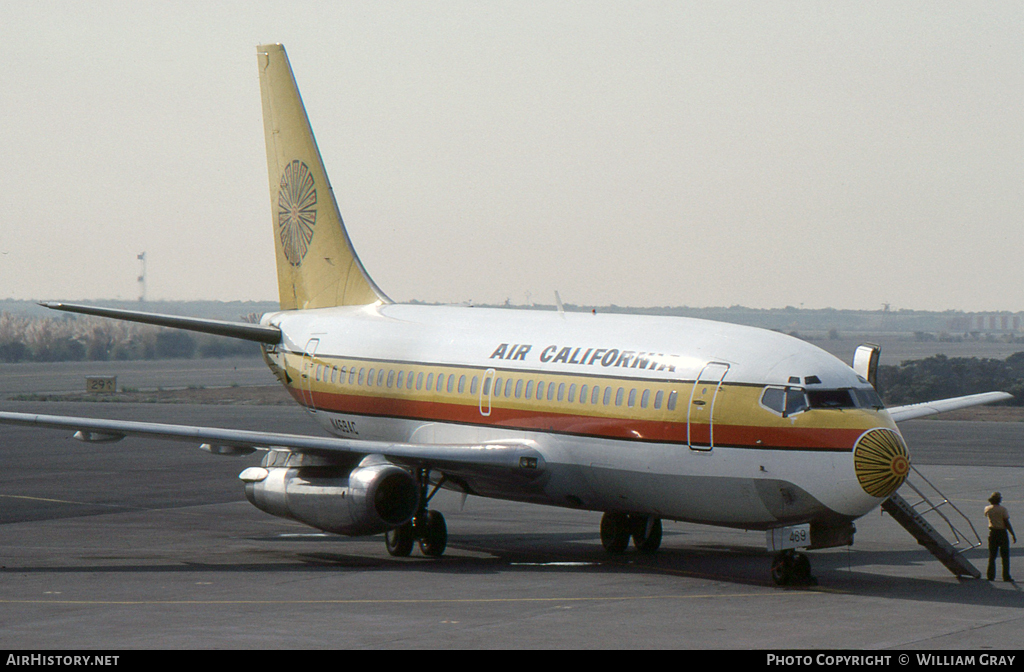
<point x="296" y="211"/>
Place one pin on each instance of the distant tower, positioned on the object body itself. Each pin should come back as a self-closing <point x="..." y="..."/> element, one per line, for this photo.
<point x="142" y="278"/>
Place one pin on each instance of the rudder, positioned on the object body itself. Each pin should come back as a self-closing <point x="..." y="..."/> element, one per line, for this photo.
<point x="317" y="266"/>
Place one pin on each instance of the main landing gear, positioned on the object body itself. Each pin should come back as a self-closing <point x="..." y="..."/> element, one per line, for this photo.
<point x="427" y="527"/>
<point x="618" y="528"/>
<point x="790" y="568"/>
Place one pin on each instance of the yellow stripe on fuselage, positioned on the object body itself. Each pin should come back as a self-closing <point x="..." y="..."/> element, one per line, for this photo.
<point x="639" y="408"/>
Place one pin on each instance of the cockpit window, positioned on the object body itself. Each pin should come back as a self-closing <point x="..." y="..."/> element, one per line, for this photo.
<point x="796" y="401"/>
<point x="788" y="401"/>
<point x="867" y="398"/>
<point x="774" y="398"/>
<point x="785" y="401"/>
<point x="831" y="398"/>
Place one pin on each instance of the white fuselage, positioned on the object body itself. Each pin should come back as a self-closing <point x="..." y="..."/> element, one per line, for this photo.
<point x="683" y="423"/>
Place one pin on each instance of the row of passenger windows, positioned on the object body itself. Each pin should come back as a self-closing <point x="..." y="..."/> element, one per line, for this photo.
<point x="509" y="388"/>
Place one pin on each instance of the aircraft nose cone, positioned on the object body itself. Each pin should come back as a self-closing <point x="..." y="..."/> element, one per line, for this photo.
<point x="881" y="461"/>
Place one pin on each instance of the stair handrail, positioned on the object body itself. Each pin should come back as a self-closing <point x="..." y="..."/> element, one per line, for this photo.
<point x="957" y="534"/>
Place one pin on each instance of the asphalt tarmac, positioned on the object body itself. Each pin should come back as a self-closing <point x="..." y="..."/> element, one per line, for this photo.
<point x="149" y="544"/>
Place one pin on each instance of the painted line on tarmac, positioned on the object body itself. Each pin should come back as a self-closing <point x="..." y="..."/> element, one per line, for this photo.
<point x="65" y="501"/>
<point x="482" y="600"/>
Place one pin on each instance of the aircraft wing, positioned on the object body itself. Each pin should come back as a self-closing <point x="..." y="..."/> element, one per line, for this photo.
<point x="911" y="411"/>
<point x="505" y="457"/>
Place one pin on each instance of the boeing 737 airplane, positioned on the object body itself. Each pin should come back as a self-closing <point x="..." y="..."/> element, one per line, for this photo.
<point x="642" y="418"/>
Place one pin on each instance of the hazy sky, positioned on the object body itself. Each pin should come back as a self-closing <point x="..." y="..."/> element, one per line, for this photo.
<point x="820" y="154"/>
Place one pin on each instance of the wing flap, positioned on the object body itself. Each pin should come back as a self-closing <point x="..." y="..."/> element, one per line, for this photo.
<point x="911" y="411"/>
<point x="521" y="456"/>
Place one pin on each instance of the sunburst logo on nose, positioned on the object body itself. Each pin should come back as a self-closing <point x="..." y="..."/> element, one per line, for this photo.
<point x="881" y="461"/>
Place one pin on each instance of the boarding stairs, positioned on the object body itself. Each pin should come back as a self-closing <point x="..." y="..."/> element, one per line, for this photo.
<point x="912" y="517"/>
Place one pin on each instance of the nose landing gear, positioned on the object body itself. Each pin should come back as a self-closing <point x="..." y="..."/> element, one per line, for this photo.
<point x="790" y="568"/>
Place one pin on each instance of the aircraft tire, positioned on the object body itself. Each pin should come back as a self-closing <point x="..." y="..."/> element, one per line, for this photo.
<point x="791" y="568"/>
<point x="399" y="540"/>
<point x="782" y="568"/>
<point x="434" y="538"/>
<point x="644" y="541"/>
<point x="615" y="532"/>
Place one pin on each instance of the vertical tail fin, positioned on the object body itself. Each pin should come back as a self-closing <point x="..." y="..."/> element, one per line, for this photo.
<point x="316" y="264"/>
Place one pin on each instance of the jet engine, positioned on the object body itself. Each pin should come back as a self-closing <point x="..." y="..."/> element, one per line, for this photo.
<point x="371" y="498"/>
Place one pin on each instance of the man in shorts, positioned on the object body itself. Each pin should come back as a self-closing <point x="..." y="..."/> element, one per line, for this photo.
<point x="998" y="541"/>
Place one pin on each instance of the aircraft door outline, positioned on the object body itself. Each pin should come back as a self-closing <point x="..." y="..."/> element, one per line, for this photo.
<point x="700" y="412"/>
<point x="485" y="391"/>
<point x="306" y="374"/>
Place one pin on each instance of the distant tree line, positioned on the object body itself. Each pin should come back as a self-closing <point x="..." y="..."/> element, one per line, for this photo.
<point x="77" y="338"/>
<point x="940" y="377"/>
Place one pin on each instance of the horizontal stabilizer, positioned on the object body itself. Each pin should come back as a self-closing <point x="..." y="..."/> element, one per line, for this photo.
<point x="911" y="411"/>
<point x="243" y="330"/>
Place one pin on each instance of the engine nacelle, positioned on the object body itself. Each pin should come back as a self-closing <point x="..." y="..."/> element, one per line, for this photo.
<point x="374" y="497"/>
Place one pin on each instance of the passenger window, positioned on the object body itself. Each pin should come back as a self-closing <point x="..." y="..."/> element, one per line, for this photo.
<point x="380" y="377"/>
<point x="508" y="388"/>
<point x="607" y="396"/>
<point x="440" y="382"/>
<point x="391" y="378"/>
<point x="462" y="384"/>
<point x="529" y="389"/>
<point x="451" y="383"/>
<point x="551" y="391"/>
<point x="645" y="398"/>
<point x="519" y="388"/>
<point x="369" y="377"/>
<point x="352" y="376"/>
<point x="672" y="397"/>
<point x="430" y="382"/>
<point x="487" y="386"/>
<point x="400" y="383"/>
<point x="362" y="373"/>
<point x="419" y="381"/>
<point x="596" y="394"/>
<point x="540" y="390"/>
<point x="658" y="398"/>
<point x="618" y="396"/>
<point x="561" y="391"/>
<point x="583" y="394"/>
<point x="473" y="385"/>
<point x="497" y="387"/>
<point x="411" y="380"/>
<point x="572" y="393"/>
<point x="631" y="402"/>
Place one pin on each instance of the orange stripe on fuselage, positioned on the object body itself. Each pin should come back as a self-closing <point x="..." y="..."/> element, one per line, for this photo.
<point x="630" y="429"/>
